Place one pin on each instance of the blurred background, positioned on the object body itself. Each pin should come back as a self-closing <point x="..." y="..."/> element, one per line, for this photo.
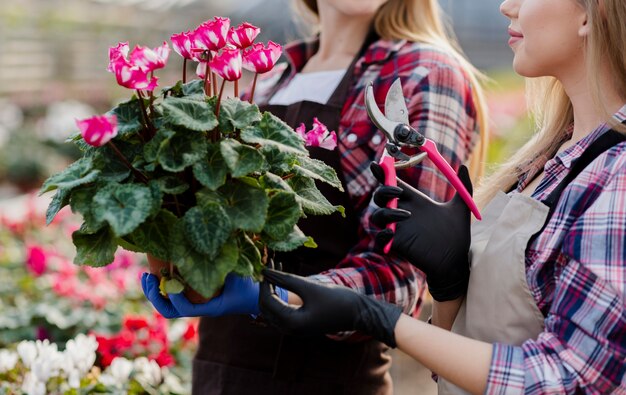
<point x="53" y="58"/>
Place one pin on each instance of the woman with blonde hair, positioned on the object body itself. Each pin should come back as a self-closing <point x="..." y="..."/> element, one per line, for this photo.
<point x="325" y="78"/>
<point x="532" y="299"/>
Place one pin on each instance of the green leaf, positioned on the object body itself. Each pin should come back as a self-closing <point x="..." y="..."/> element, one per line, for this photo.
<point x="172" y="185"/>
<point x="279" y="162"/>
<point x="249" y="257"/>
<point x="240" y="158"/>
<point x="311" y="199"/>
<point x="195" y="87"/>
<point x="129" y="117"/>
<point x="207" y="228"/>
<point x="211" y="171"/>
<point x="271" y="131"/>
<point x="123" y="206"/>
<point x="78" y="173"/>
<point x="237" y="115"/>
<point x="189" y="114"/>
<point x="154" y="236"/>
<point x="97" y="249"/>
<point x="181" y="150"/>
<point x="318" y="170"/>
<point x="272" y="181"/>
<point x="173" y="286"/>
<point x="293" y="240"/>
<point x="81" y="201"/>
<point x="60" y="199"/>
<point x="112" y="169"/>
<point x="283" y="214"/>
<point x="151" y="148"/>
<point x="204" y="275"/>
<point x="246" y="205"/>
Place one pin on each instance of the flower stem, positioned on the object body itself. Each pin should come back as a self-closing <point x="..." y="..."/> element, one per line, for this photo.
<point x="214" y="83"/>
<point x="207" y="83"/>
<point x="256" y="76"/>
<point x="136" y="172"/>
<point x="144" y="113"/>
<point x="177" y="206"/>
<point x="219" y="99"/>
<point x="236" y="88"/>
<point x="184" y="70"/>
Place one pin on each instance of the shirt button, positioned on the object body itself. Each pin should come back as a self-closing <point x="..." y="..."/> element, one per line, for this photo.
<point x="376" y="139"/>
<point x="352" y="138"/>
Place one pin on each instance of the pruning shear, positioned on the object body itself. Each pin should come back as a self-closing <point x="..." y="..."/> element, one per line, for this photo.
<point x="395" y="126"/>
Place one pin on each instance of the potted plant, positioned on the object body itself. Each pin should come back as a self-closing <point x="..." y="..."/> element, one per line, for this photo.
<point x="205" y="184"/>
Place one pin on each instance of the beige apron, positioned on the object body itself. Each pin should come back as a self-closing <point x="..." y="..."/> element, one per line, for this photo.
<point x="499" y="307"/>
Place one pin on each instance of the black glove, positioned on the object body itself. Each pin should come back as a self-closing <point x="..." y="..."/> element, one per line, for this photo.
<point x="326" y="309"/>
<point x="434" y="237"/>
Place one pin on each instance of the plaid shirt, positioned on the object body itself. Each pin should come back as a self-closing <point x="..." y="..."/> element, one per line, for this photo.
<point x="576" y="272"/>
<point x="440" y="105"/>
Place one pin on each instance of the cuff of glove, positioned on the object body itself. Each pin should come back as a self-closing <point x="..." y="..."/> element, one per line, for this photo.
<point x="449" y="291"/>
<point x="379" y="320"/>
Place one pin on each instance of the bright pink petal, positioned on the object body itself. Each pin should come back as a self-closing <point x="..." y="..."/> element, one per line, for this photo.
<point x="330" y="142"/>
<point x="228" y="64"/>
<point x="260" y="59"/>
<point x="212" y="34"/>
<point x="243" y="36"/>
<point x="183" y="44"/>
<point x="98" y="130"/>
<point x="150" y="59"/>
<point x="116" y="52"/>
<point x="301" y="130"/>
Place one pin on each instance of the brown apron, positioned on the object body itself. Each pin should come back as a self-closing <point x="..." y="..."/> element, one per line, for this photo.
<point x="238" y="355"/>
<point x="499" y="307"/>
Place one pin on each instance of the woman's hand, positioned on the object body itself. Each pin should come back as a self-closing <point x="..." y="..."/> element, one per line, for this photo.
<point x="239" y="296"/>
<point x="434" y="237"/>
<point x="326" y="309"/>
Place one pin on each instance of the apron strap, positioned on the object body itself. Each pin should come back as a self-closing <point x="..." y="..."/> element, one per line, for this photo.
<point x="599" y="146"/>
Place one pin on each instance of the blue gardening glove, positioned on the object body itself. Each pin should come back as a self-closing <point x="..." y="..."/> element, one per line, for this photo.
<point x="239" y="296"/>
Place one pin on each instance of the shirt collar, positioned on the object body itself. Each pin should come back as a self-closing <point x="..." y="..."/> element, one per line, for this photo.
<point x="569" y="156"/>
<point x="299" y="52"/>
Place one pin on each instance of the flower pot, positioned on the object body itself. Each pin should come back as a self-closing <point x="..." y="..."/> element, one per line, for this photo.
<point x="156" y="265"/>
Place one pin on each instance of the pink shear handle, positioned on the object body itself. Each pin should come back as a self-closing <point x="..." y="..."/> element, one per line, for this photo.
<point x="387" y="163"/>
<point x="433" y="154"/>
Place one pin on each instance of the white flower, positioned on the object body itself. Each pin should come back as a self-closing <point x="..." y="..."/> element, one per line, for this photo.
<point x="81" y="352"/>
<point x="32" y="386"/>
<point x="8" y="359"/>
<point x="27" y="352"/>
<point x="147" y="372"/>
<point x="73" y="379"/>
<point x="176" y="330"/>
<point x="118" y="373"/>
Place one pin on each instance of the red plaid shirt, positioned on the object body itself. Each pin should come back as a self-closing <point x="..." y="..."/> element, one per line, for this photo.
<point x="440" y="105"/>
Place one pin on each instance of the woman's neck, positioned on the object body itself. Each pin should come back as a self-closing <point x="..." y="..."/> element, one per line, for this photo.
<point x="587" y="114"/>
<point x="341" y="38"/>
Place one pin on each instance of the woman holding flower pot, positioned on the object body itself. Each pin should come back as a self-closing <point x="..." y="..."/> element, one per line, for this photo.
<point x="323" y="83"/>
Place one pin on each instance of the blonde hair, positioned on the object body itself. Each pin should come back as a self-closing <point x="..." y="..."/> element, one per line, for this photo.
<point x="421" y="21"/>
<point x="550" y="106"/>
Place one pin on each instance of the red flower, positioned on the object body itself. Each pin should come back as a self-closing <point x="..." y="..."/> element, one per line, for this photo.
<point x="260" y="59"/>
<point x="319" y="136"/>
<point x="150" y="59"/>
<point x="228" y="64"/>
<point x="98" y="130"/>
<point x="243" y="36"/>
<point x="36" y="260"/>
<point x="135" y="76"/>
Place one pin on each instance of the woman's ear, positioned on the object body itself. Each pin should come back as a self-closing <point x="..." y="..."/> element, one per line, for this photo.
<point x="584" y="29"/>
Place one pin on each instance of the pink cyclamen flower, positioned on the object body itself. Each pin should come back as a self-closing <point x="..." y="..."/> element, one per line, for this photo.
<point x="116" y="52"/>
<point x="150" y="59"/>
<point x="243" y="36"/>
<point x="260" y="59"/>
<point x="128" y="74"/>
<point x="212" y="34"/>
<point x="319" y="136"/>
<point x="183" y="44"/>
<point x="228" y="64"/>
<point x="98" y="130"/>
<point x="36" y="260"/>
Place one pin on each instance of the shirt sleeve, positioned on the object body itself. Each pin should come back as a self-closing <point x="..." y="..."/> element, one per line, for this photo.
<point x="583" y="347"/>
<point x="441" y="105"/>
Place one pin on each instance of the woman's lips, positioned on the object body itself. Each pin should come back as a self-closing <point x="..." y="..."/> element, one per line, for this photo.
<point x="515" y="36"/>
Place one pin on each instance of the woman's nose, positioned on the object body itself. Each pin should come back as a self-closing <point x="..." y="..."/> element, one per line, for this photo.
<point x="509" y="8"/>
